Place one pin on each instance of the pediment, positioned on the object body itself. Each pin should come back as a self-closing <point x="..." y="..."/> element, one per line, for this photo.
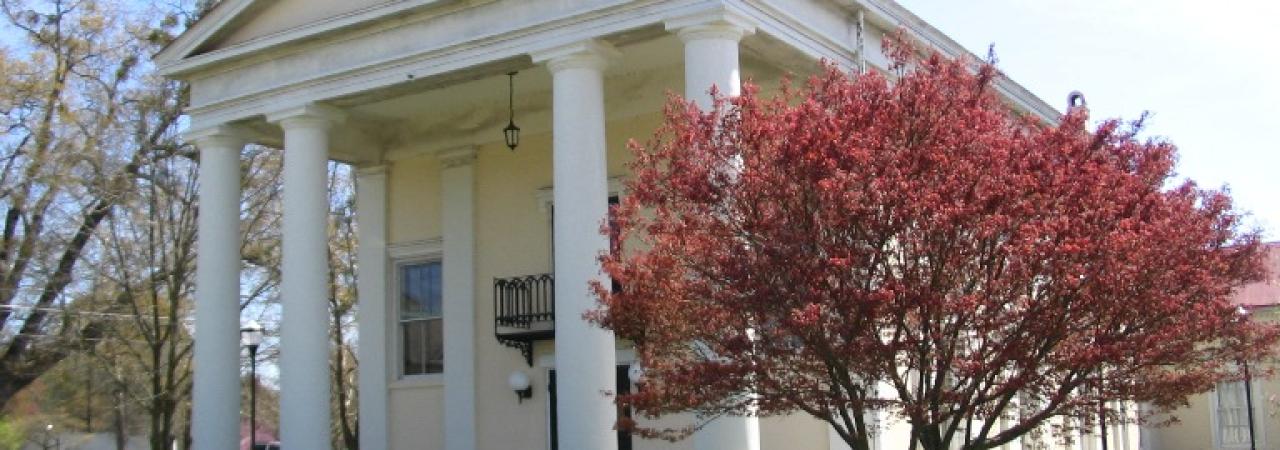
<point x="237" y="27"/>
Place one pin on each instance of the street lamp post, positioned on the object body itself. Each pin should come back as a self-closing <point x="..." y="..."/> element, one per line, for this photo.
<point x="1248" y="388"/>
<point x="50" y="441"/>
<point x="251" y="335"/>
<point x="1248" y="404"/>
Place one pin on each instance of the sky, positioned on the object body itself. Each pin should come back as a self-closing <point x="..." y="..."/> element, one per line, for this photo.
<point x="1208" y="72"/>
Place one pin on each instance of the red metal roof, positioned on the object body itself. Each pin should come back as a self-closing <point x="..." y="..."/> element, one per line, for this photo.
<point x="1266" y="292"/>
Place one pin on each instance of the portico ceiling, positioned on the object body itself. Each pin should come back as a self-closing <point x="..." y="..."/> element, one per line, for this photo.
<point x="414" y="75"/>
<point x="470" y="107"/>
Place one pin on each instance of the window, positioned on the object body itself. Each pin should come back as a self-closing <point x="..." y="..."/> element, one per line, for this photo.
<point x="421" y="330"/>
<point x="1231" y="424"/>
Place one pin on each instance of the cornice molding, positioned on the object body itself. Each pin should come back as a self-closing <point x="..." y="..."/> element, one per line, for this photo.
<point x="888" y="15"/>
<point x="504" y="44"/>
<point x="373" y="170"/>
<point x="457" y="157"/>
<point x="542" y="39"/>
<point x="177" y="61"/>
<point x="222" y="15"/>
<point x="419" y="249"/>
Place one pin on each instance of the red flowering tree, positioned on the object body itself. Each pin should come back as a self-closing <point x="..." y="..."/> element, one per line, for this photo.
<point x="910" y="246"/>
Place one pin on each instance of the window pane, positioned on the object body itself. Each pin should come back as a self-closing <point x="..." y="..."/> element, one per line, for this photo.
<point x="415" y="338"/>
<point x="420" y="318"/>
<point x="435" y="346"/>
<point x="433" y="290"/>
<point x="1233" y="417"/>
<point x="420" y="291"/>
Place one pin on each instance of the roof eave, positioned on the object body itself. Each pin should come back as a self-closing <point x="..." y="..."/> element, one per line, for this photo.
<point x="888" y="14"/>
<point x="206" y="28"/>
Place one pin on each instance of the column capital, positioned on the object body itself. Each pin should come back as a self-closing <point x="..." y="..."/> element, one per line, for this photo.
<point x="310" y="115"/>
<point x="590" y="53"/>
<point x="715" y="24"/>
<point x="217" y="136"/>
<point x="457" y="156"/>
<point x="371" y="170"/>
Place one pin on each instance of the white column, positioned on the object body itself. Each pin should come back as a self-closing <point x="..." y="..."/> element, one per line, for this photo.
<point x="584" y="353"/>
<point x="711" y="53"/>
<point x="371" y="285"/>
<point x="458" y="229"/>
<point x="304" y="330"/>
<point x="729" y="433"/>
<point x="711" y="59"/>
<point x="216" y="404"/>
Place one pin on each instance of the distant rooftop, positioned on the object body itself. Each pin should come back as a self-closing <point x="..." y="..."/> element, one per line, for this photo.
<point x="1266" y="292"/>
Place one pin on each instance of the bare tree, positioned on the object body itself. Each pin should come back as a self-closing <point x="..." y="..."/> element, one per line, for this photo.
<point x="342" y="304"/>
<point x="84" y="119"/>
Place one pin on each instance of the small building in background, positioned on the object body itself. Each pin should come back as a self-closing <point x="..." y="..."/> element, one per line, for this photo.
<point x="1219" y="419"/>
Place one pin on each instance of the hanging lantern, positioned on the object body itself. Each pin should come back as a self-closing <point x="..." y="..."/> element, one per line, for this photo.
<point x="511" y="133"/>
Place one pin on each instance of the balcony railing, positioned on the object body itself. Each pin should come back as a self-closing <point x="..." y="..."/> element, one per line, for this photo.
<point x="524" y="311"/>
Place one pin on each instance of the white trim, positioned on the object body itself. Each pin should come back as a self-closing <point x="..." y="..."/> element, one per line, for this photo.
<point x="174" y="65"/>
<point x="772" y="18"/>
<point x="889" y="15"/>
<point x="457" y="157"/>
<point x="451" y="57"/>
<point x="371" y="210"/>
<point x="457" y="210"/>
<point x="425" y="381"/>
<point x="420" y="249"/>
<point x="222" y="14"/>
<point x="400" y="255"/>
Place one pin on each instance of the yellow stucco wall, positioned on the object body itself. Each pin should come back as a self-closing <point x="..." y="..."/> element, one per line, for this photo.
<point x="413" y="193"/>
<point x="288" y="14"/>
<point x="797" y="431"/>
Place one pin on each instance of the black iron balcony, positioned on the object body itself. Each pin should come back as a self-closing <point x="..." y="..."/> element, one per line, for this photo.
<point x="524" y="311"/>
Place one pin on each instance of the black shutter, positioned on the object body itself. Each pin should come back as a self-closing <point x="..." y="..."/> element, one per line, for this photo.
<point x="551" y="388"/>
<point x="624" y="387"/>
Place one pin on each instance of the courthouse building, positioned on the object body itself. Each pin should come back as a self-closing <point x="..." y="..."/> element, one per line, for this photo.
<point x="460" y="295"/>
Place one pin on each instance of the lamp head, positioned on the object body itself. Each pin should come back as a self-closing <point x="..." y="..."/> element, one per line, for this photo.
<point x="518" y="381"/>
<point x="635" y="373"/>
<point x="512" y="135"/>
<point x="251" y="334"/>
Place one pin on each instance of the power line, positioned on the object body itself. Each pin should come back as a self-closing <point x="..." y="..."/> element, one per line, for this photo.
<point x="111" y="315"/>
<point x="75" y="313"/>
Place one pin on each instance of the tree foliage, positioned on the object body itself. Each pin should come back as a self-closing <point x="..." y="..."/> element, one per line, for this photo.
<point x="904" y="243"/>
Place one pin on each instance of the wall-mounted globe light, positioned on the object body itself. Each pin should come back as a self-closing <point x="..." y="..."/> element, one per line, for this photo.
<point x="518" y="381"/>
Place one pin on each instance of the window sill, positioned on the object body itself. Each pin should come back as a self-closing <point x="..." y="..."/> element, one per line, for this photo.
<point x="432" y="381"/>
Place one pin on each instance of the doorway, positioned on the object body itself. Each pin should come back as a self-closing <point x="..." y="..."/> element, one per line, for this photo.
<point x="622" y="384"/>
